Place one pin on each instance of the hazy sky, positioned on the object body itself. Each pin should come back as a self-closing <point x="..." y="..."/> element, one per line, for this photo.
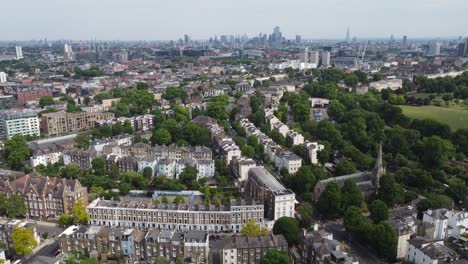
<point x="170" y="19"/>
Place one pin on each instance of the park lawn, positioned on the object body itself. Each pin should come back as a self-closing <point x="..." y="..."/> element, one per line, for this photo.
<point x="454" y="117"/>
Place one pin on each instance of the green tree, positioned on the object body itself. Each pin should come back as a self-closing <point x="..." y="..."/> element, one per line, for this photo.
<point x="142" y="86"/>
<point x="13" y="206"/>
<point x="252" y="229"/>
<point x="99" y="166"/>
<point x="305" y="212"/>
<point x="277" y="137"/>
<point x="336" y="110"/>
<point x="164" y="200"/>
<point x="64" y="219"/>
<point x="46" y="100"/>
<point x="217" y="108"/>
<point x="351" y="80"/>
<point x="345" y="167"/>
<point x="72" y="107"/>
<point x="161" y="137"/>
<point x="80" y="215"/>
<point x="82" y="141"/>
<point x="328" y="132"/>
<point x="378" y="211"/>
<point x="351" y="195"/>
<point x="161" y="260"/>
<point x="179" y="200"/>
<point x="288" y="227"/>
<point x="353" y="219"/>
<point x="275" y="256"/>
<point x="89" y="261"/>
<point x="436" y="152"/>
<point x="329" y="202"/>
<point x="23" y="241"/>
<point x="248" y="151"/>
<point x="389" y="190"/>
<point x="188" y="175"/>
<point x="147" y="172"/>
<point x="457" y="189"/>
<point x="385" y="241"/>
<point x="71" y="171"/>
<point x="16" y="152"/>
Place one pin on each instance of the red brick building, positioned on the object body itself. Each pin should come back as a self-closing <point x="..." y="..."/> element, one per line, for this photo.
<point x="31" y="95"/>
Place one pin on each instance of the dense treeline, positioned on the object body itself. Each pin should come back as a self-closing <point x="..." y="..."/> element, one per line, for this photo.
<point x="458" y="85"/>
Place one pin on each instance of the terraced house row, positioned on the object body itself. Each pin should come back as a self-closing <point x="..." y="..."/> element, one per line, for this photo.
<point x="107" y="244"/>
<point x="149" y="214"/>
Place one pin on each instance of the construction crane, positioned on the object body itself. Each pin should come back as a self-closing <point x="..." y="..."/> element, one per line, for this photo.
<point x="361" y="63"/>
<point x="360" y="56"/>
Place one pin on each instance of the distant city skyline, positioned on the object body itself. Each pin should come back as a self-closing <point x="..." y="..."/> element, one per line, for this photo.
<point x="171" y="19"/>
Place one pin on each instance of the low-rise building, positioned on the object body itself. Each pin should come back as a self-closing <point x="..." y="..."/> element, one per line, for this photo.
<point x="319" y="247"/>
<point x="422" y="251"/>
<point x="50" y="150"/>
<point x="392" y="84"/>
<point x="288" y="160"/>
<point x="240" y="168"/>
<point x="229" y="149"/>
<point x="312" y="149"/>
<point x="447" y="223"/>
<point x="146" y="214"/>
<point x="319" y="102"/>
<point x="293" y="138"/>
<point x="243" y="249"/>
<point x="107" y="243"/>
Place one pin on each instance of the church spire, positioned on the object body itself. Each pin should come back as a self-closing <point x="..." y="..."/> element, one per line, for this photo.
<point x="378" y="170"/>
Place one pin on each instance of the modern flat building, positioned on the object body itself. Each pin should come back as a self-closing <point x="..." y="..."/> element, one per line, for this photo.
<point x="45" y="196"/>
<point x="16" y="122"/>
<point x="62" y="122"/>
<point x="148" y="214"/>
<point x="434" y="49"/>
<point x="3" y="77"/>
<point x="19" y="52"/>
<point x="314" y="57"/>
<point x="325" y="58"/>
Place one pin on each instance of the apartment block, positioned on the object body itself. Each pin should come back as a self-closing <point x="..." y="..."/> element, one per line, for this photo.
<point x="16" y="122"/>
<point x="62" y="122"/>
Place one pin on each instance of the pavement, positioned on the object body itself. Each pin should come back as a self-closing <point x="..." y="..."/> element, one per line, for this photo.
<point x="364" y="253"/>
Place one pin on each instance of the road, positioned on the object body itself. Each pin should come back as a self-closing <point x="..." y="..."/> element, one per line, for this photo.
<point x="48" y="251"/>
<point x="365" y="254"/>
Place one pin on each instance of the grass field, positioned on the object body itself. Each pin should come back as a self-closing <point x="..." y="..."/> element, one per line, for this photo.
<point x="454" y="117"/>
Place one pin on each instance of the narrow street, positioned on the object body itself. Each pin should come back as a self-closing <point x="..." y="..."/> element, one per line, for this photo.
<point x="365" y="254"/>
